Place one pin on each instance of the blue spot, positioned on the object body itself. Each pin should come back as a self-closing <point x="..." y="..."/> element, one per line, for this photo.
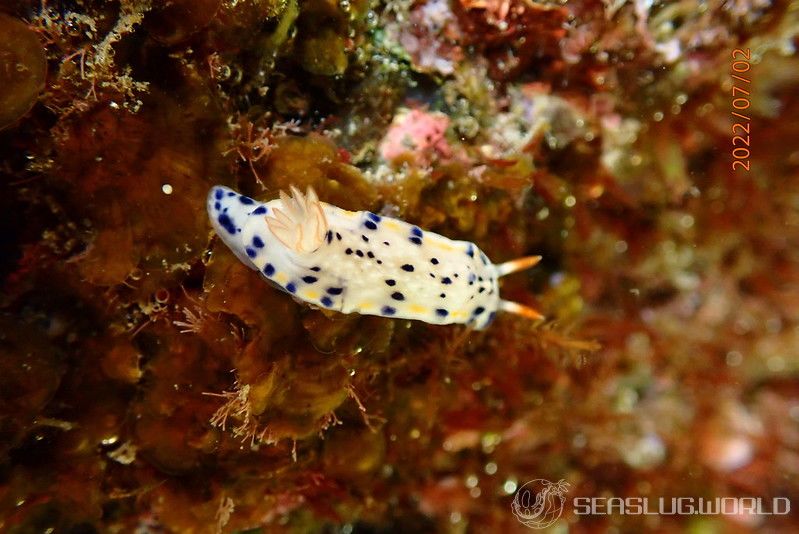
<point x="388" y="310"/>
<point x="416" y="231"/>
<point x="291" y="288"/>
<point x="446" y="280"/>
<point x="250" y="252"/>
<point x="217" y="205"/>
<point x="491" y="318"/>
<point x="218" y="194"/>
<point x="335" y="290"/>
<point x="484" y="258"/>
<point x="257" y="242"/>
<point x="269" y="269"/>
<point x="416" y="240"/>
<point x="407" y="268"/>
<point x="231" y="194"/>
<point x="309" y="279"/>
<point x="370" y="225"/>
<point x="375" y="218"/>
<point x="327" y="302"/>
<point x="246" y="200"/>
<point x="441" y="312"/>
<point x="470" y="251"/>
<point x="478" y="310"/>
<point x="260" y="210"/>
<point x="226" y="223"/>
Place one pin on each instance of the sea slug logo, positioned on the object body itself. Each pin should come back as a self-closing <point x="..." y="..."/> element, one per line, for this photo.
<point x="539" y="503"/>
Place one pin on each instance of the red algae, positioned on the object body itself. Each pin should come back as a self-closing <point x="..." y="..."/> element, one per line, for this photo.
<point x="150" y="381"/>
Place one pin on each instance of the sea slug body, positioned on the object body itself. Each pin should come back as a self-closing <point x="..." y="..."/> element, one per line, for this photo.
<point x="361" y="262"/>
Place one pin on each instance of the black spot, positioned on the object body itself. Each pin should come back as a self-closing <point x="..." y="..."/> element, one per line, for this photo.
<point x="217" y="205"/>
<point x="366" y="239"/>
<point x="257" y="242"/>
<point x="291" y="288"/>
<point x="443" y="295"/>
<point x="434" y="261"/>
<point x="316" y="269"/>
<point x="327" y="302"/>
<point x="250" y="252"/>
<point x="441" y="312"/>
<point x="269" y="269"/>
<point x="479" y="278"/>
<point x="379" y="262"/>
<point x="386" y="243"/>
<point x="359" y="253"/>
<point x="329" y="236"/>
<point x="338" y="236"/>
<point x="348" y="251"/>
<point x="397" y="296"/>
<point x="391" y="282"/>
<point x="388" y="310"/>
<point x="455" y="275"/>
<point x="335" y="290"/>
<point x="309" y="279"/>
<point x="246" y="200"/>
<point x="407" y="268"/>
<point x="370" y="254"/>
<point x="370" y="225"/>
<point x="481" y="290"/>
<point x="478" y="310"/>
<point x="415" y="240"/>
<point x="375" y="218"/>
<point x="432" y="275"/>
<point x="218" y="194"/>
<point x="260" y="210"/>
<point x="446" y="280"/>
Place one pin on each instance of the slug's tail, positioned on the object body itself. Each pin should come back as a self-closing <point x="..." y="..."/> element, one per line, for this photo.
<point x="520" y="309"/>
<point x="517" y="265"/>
<point x="300" y="222"/>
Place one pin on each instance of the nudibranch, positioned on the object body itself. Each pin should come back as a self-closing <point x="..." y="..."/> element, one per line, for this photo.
<point x="361" y="262"/>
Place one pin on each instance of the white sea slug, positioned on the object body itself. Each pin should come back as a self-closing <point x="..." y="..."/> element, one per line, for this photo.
<point x="357" y="261"/>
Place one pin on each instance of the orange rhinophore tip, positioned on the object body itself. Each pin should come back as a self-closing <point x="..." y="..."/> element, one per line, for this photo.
<point x="517" y="265"/>
<point x="520" y="309"/>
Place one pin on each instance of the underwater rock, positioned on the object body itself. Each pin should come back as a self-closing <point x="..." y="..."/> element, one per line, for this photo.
<point x="23" y="67"/>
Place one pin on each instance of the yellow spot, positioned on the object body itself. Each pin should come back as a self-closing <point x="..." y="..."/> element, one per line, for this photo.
<point x="364" y="305"/>
<point x="310" y="295"/>
<point x="416" y="308"/>
<point x="392" y="225"/>
<point x="444" y="245"/>
<point x="457" y="314"/>
<point x="281" y="278"/>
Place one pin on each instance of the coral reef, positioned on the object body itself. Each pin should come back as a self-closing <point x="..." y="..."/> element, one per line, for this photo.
<point x="150" y="382"/>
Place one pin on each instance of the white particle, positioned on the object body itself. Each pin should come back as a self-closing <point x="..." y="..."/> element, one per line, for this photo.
<point x="167" y="189"/>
